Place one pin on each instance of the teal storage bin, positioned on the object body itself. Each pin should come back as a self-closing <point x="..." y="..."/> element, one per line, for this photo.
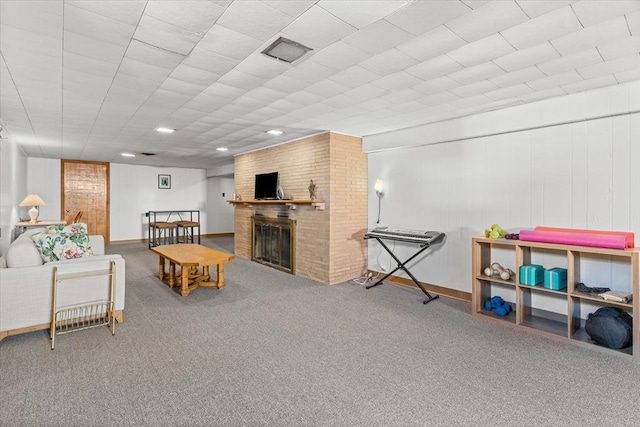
<point x="531" y="274"/>
<point x="555" y="278"/>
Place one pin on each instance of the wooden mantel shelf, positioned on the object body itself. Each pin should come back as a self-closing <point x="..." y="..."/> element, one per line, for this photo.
<point x="293" y="204"/>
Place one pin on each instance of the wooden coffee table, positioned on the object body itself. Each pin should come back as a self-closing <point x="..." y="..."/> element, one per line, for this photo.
<point x="194" y="261"/>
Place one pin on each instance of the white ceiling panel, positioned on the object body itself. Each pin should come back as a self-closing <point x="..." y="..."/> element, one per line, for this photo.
<point x="535" y="8"/>
<point x="436" y="42"/>
<point x="377" y="37"/>
<point x="361" y="13"/>
<point x="625" y="63"/>
<point x="419" y="17"/>
<point x="380" y="65"/>
<point x="526" y="57"/>
<point x="254" y="19"/>
<point x="543" y="28"/>
<point x="621" y="47"/>
<point x="593" y="36"/>
<point x="487" y="19"/>
<point x="480" y="51"/>
<point x="571" y="62"/>
<point x="128" y="12"/>
<point x="592" y="12"/>
<point x="317" y="29"/>
<point x="194" y="16"/>
<point x="436" y="67"/>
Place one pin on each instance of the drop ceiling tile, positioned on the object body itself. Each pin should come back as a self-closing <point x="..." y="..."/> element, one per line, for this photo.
<point x="229" y="43"/>
<point x="128" y="12"/>
<point x="487" y="70"/>
<point x="439" y="98"/>
<point x="338" y="101"/>
<point x="262" y="66"/>
<point x="93" y="48"/>
<point x="592" y="12"/>
<point x="520" y="76"/>
<point x="437" y="85"/>
<point x="399" y="80"/>
<point x="509" y="92"/>
<point x="474" y="4"/>
<point x="627" y="76"/>
<point x="88" y="24"/>
<point x="317" y="29"/>
<point x="308" y="72"/>
<point x="473" y="89"/>
<point x="472" y="101"/>
<point x="570" y="62"/>
<point x="193" y="75"/>
<point x="388" y="62"/>
<point x="622" y="47"/>
<point x="354" y="76"/>
<point x="487" y="19"/>
<point x="624" y="63"/>
<point x="555" y="80"/>
<point x="433" y="68"/>
<point x="526" y="57"/>
<point x="534" y="8"/>
<point x="304" y="97"/>
<point x="254" y="19"/>
<point x="377" y="38"/>
<point x="586" y="85"/>
<point x="209" y="61"/>
<point x="421" y="16"/>
<point x="592" y="36"/>
<point x="44" y="18"/>
<point x="436" y="42"/>
<point x="143" y="52"/>
<point x="367" y="92"/>
<point x="16" y="40"/>
<point x="287" y="84"/>
<point x="292" y="8"/>
<point x="543" y="28"/>
<point x="403" y="95"/>
<point x="327" y="88"/>
<point x="241" y="80"/>
<point x="194" y="16"/>
<point x="480" y="51"/>
<point x="633" y="22"/>
<point x="339" y="56"/>
<point x="179" y="86"/>
<point x="361" y="13"/>
<point x="165" y="36"/>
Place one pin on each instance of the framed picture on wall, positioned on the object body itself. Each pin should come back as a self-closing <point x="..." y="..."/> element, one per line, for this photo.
<point x="164" y="181"/>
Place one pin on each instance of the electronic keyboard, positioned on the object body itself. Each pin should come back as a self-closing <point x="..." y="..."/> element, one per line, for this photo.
<point x="403" y="235"/>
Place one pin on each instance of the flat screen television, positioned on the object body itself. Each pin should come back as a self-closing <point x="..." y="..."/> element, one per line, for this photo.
<point x="266" y="186"/>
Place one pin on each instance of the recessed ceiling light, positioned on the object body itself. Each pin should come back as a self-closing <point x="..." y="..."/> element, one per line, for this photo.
<point x="165" y="130"/>
<point x="127" y="154"/>
<point x="286" y="50"/>
<point x="274" y="132"/>
<point x="222" y="149"/>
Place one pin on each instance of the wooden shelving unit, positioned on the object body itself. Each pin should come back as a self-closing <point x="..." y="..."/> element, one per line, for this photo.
<point x="569" y="323"/>
<point x="293" y="204"/>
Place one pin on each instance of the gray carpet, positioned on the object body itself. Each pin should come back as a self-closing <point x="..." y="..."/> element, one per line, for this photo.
<point x="273" y="349"/>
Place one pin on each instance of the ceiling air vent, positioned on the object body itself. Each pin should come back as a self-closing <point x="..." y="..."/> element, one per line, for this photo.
<point x="286" y="50"/>
<point x="147" y="154"/>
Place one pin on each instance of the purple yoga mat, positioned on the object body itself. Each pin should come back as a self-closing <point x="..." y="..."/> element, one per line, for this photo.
<point x="593" y="240"/>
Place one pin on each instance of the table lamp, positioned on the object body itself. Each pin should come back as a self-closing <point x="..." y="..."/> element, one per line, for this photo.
<point x="34" y="201"/>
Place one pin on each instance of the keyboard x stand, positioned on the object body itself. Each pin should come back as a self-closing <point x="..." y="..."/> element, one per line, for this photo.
<point x="401" y="265"/>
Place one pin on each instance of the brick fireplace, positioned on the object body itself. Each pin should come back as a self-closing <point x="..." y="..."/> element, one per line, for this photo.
<point x="328" y="243"/>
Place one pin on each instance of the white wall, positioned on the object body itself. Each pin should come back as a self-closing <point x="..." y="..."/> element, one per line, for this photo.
<point x="583" y="174"/>
<point x="13" y="189"/>
<point x="134" y="191"/>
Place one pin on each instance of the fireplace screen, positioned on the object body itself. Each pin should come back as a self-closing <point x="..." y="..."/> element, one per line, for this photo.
<point x="273" y="242"/>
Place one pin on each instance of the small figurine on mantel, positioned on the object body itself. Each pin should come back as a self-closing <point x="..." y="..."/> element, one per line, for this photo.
<point x="312" y="190"/>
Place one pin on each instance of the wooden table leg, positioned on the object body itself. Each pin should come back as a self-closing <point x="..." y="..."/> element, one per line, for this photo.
<point x="184" y="281"/>
<point x="161" y="268"/>
<point x="172" y="274"/>
<point x="221" y="283"/>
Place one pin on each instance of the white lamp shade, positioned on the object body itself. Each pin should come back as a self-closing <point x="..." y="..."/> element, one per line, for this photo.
<point x="33" y="200"/>
<point x="379" y="186"/>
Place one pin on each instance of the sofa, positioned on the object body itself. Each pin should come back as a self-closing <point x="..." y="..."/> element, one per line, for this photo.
<point x="26" y="283"/>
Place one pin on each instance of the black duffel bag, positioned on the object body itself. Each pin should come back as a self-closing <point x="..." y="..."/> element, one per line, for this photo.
<point x="610" y="327"/>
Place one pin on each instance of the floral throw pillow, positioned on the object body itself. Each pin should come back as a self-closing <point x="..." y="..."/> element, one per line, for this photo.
<point x="63" y="242"/>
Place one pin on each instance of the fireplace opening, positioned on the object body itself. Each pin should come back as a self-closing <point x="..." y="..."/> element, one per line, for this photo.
<point x="273" y="242"/>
